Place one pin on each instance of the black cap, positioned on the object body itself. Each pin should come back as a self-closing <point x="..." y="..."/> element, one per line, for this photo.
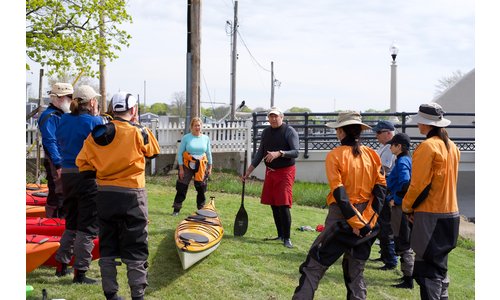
<point x="401" y="139"/>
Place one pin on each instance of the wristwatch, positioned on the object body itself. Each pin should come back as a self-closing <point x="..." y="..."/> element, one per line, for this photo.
<point x="282" y="153"/>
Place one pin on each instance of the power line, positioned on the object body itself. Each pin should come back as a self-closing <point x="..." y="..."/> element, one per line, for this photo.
<point x="249" y="52"/>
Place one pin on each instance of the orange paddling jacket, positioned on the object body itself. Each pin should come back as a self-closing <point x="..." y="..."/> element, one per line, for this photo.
<point x="199" y="166"/>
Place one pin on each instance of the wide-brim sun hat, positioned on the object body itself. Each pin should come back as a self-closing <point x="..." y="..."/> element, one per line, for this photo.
<point x="348" y="118"/>
<point x="430" y="114"/>
<point x="60" y="89"/>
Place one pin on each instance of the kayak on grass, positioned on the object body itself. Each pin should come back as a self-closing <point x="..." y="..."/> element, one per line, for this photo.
<point x="36" y="198"/>
<point x="38" y="253"/>
<point x="35" y="211"/>
<point x="198" y="235"/>
<point x="37" y="187"/>
<point x="45" y="226"/>
<point x="51" y="261"/>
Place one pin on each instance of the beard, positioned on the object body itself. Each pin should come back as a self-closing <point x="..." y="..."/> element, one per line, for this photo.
<point x="65" y="106"/>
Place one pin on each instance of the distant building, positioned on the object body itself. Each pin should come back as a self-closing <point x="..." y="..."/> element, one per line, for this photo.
<point x="148" y="118"/>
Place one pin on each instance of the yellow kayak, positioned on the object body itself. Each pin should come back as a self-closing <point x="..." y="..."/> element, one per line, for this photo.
<point x="198" y="235"/>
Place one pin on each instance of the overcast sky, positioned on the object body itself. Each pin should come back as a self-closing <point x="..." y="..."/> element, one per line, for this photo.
<point x="327" y="54"/>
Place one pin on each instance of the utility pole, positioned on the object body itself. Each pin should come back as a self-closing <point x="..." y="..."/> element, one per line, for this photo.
<point x="144" y="94"/>
<point x="38" y="150"/>
<point x="234" y="33"/>
<point x="193" y="62"/>
<point x="272" y="84"/>
<point x="102" y="62"/>
<point x="196" y="41"/>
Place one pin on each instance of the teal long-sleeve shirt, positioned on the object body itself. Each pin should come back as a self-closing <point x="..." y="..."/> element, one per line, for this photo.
<point x="195" y="145"/>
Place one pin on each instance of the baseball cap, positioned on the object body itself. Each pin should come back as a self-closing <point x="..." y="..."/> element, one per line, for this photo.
<point x="85" y="93"/>
<point x="383" y="126"/>
<point x="123" y="101"/>
<point x="400" y="139"/>
<point x="275" y="110"/>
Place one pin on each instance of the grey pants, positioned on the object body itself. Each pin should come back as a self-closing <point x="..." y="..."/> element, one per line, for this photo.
<point x="79" y="244"/>
<point x="136" y="274"/>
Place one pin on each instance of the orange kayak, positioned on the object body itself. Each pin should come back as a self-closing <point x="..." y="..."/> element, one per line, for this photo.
<point x="35" y="211"/>
<point x="37" y="254"/>
<point x="33" y="187"/>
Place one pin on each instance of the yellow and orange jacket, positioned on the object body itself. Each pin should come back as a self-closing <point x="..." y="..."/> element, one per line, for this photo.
<point x="358" y="176"/>
<point x="433" y="185"/>
<point x="200" y="165"/>
<point x="121" y="159"/>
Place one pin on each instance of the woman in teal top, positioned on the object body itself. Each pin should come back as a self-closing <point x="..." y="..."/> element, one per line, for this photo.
<point x="195" y="160"/>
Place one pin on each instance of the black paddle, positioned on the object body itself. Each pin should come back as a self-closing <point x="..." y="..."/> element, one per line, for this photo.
<point x="241" y="221"/>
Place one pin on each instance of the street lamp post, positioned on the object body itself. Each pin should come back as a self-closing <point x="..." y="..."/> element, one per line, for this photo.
<point x="394" y="52"/>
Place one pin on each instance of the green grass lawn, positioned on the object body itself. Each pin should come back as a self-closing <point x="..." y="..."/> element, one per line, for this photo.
<point x="242" y="267"/>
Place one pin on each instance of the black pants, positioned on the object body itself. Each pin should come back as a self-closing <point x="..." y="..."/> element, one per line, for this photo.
<point x="182" y="186"/>
<point x="282" y="220"/>
<point x="55" y="199"/>
<point x="80" y="203"/>
<point x="123" y="219"/>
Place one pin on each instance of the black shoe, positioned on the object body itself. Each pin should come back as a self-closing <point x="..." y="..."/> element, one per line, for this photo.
<point x="82" y="279"/>
<point x="274" y="239"/>
<point x="62" y="270"/>
<point x="287" y="243"/>
<point x="176" y="212"/>
<point x="406" y="284"/>
<point x="387" y="267"/>
<point x="113" y="297"/>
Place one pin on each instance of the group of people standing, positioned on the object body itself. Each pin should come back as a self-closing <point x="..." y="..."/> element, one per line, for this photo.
<point x="408" y="203"/>
<point x="419" y="194"/>
<point x="95" y="170"/>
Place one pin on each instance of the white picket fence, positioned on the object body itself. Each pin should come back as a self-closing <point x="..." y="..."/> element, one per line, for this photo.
<point x="230" y="137"/>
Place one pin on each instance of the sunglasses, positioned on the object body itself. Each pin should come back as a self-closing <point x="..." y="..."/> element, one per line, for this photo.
<point x="381" y="131"/>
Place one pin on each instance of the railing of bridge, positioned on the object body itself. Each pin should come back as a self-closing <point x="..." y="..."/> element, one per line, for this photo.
<point x="314" y="135"/>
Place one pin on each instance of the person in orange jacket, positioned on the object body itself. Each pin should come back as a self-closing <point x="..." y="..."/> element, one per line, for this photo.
<point x="357" y="193"/>
<point x="431" y="201"/>
<point x="115" y="154"/>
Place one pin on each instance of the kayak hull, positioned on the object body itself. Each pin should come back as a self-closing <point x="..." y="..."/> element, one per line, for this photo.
<point x="45" y="226"/>
<point x="35" y="211"/>
<point x="51" y="261"/>
<point x="198" y="235"/>
<point x="37" y="254"/>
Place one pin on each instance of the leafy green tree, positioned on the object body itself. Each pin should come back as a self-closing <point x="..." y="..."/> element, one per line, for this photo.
<point x="296" y="109"/>
<point x="159" y="108"/>
<point x="64" y="35"/>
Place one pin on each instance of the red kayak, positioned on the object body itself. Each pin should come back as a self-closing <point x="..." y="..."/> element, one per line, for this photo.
<point x="36" y="198"/>
<point x="45" y="226"/>
<point x="51" y="261"/>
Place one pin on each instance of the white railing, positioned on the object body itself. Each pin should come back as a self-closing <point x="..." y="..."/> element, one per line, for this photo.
<point x="223" y="137"/>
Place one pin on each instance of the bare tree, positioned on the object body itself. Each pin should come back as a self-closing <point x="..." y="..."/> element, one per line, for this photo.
<point x="179" y="104"/>
<point x="447" y="81"/>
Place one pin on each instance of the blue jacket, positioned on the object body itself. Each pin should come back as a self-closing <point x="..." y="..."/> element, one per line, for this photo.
<point x="72" y="132"/>
<point x="399" y="178"/>
<point x="48" y="123"/>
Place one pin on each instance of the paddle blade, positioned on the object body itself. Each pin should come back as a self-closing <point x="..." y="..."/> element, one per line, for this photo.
<point x="241" y="222"/>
